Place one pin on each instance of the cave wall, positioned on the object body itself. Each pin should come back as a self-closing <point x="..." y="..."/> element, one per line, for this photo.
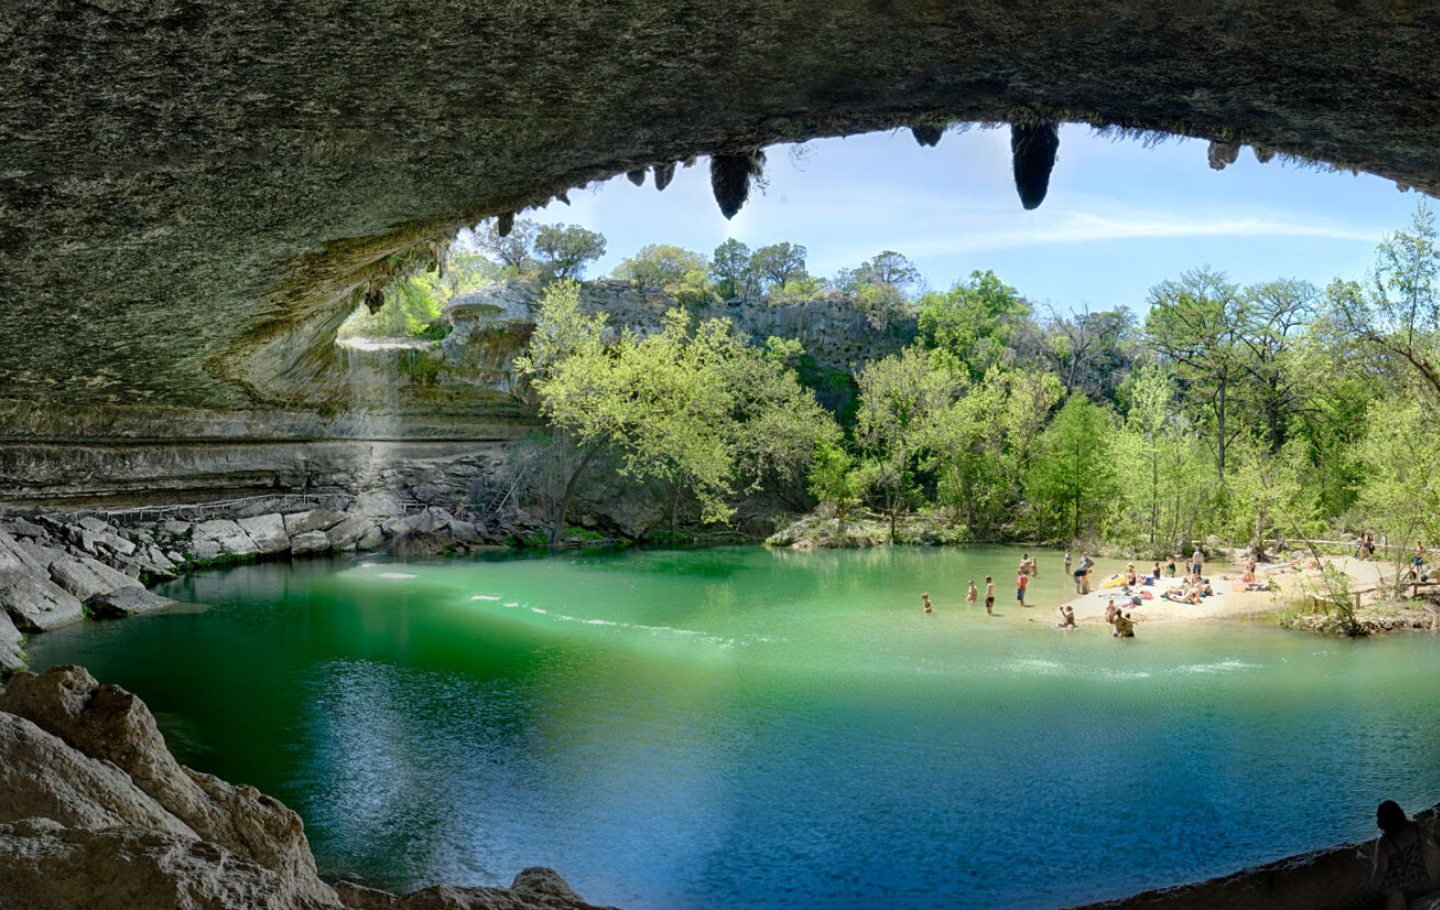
<point x="194" y="193"/>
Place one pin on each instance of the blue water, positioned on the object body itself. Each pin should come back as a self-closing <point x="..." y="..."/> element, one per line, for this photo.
<point x="736" y="727"/>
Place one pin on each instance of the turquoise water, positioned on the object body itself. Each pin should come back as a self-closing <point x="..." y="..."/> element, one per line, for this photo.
<point x="736" y="727"/>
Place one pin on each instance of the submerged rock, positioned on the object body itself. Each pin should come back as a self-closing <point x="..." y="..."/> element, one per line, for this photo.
<point x="123" y="602"/>
<point x="535" y="888"/>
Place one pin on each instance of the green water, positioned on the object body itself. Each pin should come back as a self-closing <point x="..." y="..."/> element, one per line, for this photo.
<point x="736" y="727"/>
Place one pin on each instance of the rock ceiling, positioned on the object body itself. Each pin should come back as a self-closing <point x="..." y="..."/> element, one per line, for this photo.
<point x="193" y="193"/>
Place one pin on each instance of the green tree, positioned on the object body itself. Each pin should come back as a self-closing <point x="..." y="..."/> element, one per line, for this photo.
<point x="973" y="321"/>
<point x="660" y="266"/>
<point x="900" y="398"/>
<point x="730" y="269"/>
<point x="1396" y="313"/>
<point x="1073" y="472"/>
<point x="701" y="409"/>
<point x="779" y="263"/>
<point x="564" y="249"/>
<point x="513" y="252"/>
<point x="1196" y="323"/>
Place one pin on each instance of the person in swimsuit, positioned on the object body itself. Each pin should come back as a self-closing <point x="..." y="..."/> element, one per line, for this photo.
<point x="929" y="607"/>
<point x="1067" y="617"/>
<point x="1021" y="581"/>
<point x="1130" y="577"/>
<point x="1067" y="562"/>
<point x="1170" y="564"/>
<point x="1400" y="870"/>
<point x="1124" y="625"/>
<point x="989" y="595"/>
<point x="973" y="593"/>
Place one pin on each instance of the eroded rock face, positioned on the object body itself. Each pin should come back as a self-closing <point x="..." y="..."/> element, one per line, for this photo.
<point x="111" y="724"/>
<point x="197" y="193"/>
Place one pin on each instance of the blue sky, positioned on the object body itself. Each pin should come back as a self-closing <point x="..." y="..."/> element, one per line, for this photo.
<point x="1119" y="217"/>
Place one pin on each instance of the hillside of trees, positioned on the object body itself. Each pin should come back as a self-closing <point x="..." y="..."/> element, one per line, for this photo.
<point x="1276" y="409"/>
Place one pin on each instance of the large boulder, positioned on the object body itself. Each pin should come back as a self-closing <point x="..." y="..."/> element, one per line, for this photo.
<point x="349" y="532"/>
<point x="35" y="603"/>
<point x="379" y="505"/>
<point x="313" y="520"/>
<point x="309" y="542"/>
<point x="220" y="537"/>
<point x="85" y="577"/>
<point x="268" y="533"/>
<point x="47" y="866"/>
<point x="42" y="777"/>
<point x="12" y="646"/>
<point x="111" y="724"/>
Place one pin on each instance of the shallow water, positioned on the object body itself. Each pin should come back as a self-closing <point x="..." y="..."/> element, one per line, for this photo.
<point x="737" y="727"/>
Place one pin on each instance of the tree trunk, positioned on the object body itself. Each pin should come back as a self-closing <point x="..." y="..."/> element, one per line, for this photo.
<point x="1220" y="426"/>
<point x="558" y="531"/>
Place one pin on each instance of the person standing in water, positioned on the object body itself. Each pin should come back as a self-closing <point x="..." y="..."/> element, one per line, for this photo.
<point x="925" y="598"/>
<point x="1067" y="562"/>
<point x="989" y="595"/>
<point x="1021" y="582"/>
<point x="971" y="596"/>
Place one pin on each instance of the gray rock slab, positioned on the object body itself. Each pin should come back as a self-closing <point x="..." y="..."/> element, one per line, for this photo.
<point x="12" y="646"/>
<point x="35" y="603"/>
<point x="268" y="533"/>
<point x="310" y="542"/>
<point x="123" y="602"/>
<point x="175" y="528"/>
<point x="313" y="520"/>
<point x="22" y="528"/>
<point x="85" y="577"/>
<point x="346" y="534"/>
<point x="379" y="505"/>
<point x="225" y="534"/>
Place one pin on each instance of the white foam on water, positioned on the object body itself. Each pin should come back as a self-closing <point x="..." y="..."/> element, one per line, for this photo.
<point x="395" y="575"/>
<point x="366" y="565"/>
<point x="486" y="597"/>
<point x="513" y="603"/>
<point x="1221" y="666"/>
<point x="597" y="622"/>
<point x="536" y="610"/>
<point x="1033" y="664"/>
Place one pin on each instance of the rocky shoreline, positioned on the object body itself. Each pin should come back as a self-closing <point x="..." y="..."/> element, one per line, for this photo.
<point x="59" y="570"/>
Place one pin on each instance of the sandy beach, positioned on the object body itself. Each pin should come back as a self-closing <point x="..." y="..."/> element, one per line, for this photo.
<point x="1289" y="579"/>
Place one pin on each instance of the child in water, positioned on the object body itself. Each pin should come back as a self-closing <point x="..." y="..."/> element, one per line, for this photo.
<point x="989" y="595"/>
<point x="974" y="593"/>
<point x="929" y="608"/>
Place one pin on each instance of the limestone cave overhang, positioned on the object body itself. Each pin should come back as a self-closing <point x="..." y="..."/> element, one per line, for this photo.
<point x="194" y="193"/>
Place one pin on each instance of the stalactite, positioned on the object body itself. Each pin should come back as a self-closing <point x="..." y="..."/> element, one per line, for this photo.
<point x="1033" y="151"/>
<point x="730" y="179"/>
